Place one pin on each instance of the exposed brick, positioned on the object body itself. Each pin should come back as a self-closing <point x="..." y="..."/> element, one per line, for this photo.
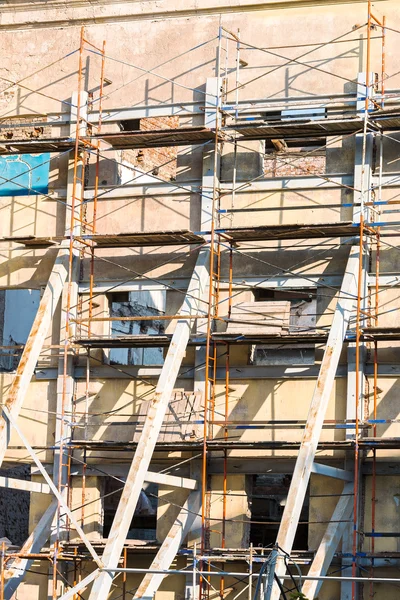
<point x="153" y="159"/>
<point x="289" y="164"/>
<point x="22" y="128"/>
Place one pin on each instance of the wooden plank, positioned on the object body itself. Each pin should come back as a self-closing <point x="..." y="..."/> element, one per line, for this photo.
<point x="33" y="346"/>
<point x="255" y="317"/>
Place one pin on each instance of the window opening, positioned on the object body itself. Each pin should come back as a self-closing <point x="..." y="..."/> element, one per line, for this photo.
<point x="290" y="158"/>
<point x="130" y="125"/>
<point x="158" y="161"/>
<point x="302" y="319"/>
<point x="14" y="507"/>
<point x="18" y="308"/>
<point x="268" y="499"/>
<point x="137" y="304"/>
<point x="144" y="522"/>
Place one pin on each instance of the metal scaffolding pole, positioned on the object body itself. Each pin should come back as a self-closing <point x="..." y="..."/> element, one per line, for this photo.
<point x="356" y="351"/>
<point x="69" y="303"/>
<point x="198" y="289"/>
<point x="330" y="541"/>
<point x="319" y="404"/>
<point x="151" y="428"/>
<point x="33" y="346"/>
<point x="33" y="544"/>
<point x="170" y="546"/>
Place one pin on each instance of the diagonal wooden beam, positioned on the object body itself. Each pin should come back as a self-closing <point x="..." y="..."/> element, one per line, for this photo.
<point x="316" y="415"/>
<point x="151" y="429"/>
<point x="33" y="346"/>
<point x="170" y="546"/>
<point x="33" y="544"/>
<point x="60" y="496"/>
<point x="330" y="541"/>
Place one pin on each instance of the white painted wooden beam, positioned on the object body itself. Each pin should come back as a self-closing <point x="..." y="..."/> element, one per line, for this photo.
<point x="170" y="546"/>
<point x="59" y="495"/>
<point x="33" y="346"/>
<point x="171" y="480"/>
<point x="35" y="542"/>
<point x="329" y="471"/>
<point x="26" y="486"/>
<point x="80" y="586"/>
<point x="330" y="541"/>
<point x="151" y="429"/>
<point x="150" y="477"/>
<point x="316" y="415"/>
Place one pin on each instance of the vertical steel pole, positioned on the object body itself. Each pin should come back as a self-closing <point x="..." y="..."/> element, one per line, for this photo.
<point x="211" y="297"/>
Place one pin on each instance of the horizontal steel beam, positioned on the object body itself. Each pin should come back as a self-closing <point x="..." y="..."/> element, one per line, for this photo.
<point x="243" y="574"/>
<point x="183" y="109"/>
<point x="235" y="465"/>
<point x="146" y="185"/>
<point x="239" y="372"/>
<point x="290" y="183"/>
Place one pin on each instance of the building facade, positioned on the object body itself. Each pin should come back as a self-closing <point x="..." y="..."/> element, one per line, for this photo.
<point x="199" y="300"/>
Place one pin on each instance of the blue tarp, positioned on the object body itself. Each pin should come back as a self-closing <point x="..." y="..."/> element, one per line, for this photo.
<point x="24" y="174"/>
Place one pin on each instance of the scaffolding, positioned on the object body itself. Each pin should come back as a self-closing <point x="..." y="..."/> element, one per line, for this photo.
<point x="367" y="117"/>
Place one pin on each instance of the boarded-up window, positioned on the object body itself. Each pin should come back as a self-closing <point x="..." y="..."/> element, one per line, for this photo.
<point x="303" y="305"/>
<point x="148" y="303"/>
<point x="302" y="319"/>
<point x="270" y="318"/>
